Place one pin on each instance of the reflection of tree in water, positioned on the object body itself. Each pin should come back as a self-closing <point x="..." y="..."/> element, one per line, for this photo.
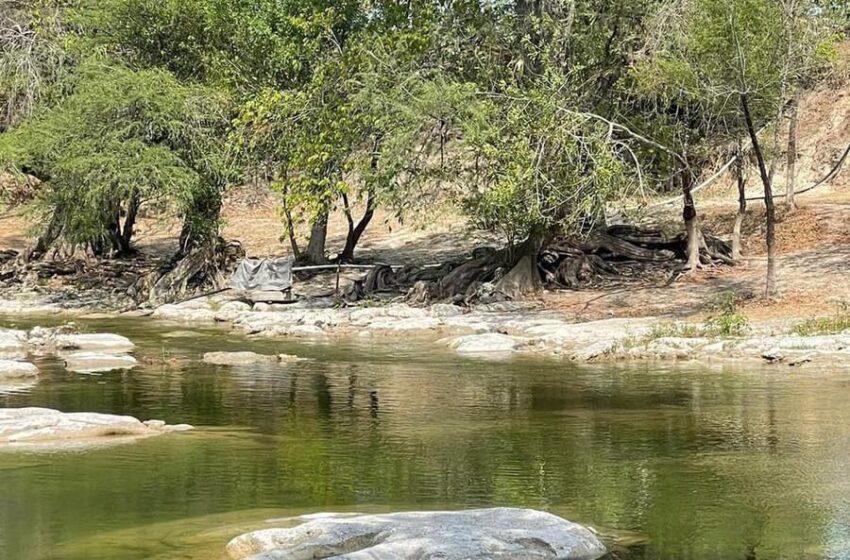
<point x="706" y="463"/>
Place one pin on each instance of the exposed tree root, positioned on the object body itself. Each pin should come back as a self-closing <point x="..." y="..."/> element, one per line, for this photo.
<point x="618" y="253"/>
<point x="203" y="268"/>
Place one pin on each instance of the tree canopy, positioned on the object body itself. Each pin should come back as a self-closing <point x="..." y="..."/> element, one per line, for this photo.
<point x="534" y="117"/>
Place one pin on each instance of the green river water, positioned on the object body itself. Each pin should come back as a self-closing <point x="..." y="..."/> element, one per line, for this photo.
<point x="667" y="462"/>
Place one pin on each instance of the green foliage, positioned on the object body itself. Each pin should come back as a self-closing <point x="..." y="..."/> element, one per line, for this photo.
<point x="727" y="320"/>
<point x="245" y="44"/>
<point x="836" y="323"/>
<point x="121" y="138"/>
<point x="33" y="56"/>
<point x="674" y="330"/>
<point x="512" y="110"/>
<point x="534" y="165"/>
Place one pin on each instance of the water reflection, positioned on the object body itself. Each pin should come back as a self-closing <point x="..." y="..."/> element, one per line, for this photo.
<point x="701" y="464"/>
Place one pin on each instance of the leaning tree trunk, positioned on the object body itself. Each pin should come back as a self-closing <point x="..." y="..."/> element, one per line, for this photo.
<point x="315" y="253"/>
<point x="290" y="230"/>
<point x="689" y="215"/>
<point x="770" y="288"/>
<point x="355" y="232"/>
<point x="130" y="223"/>
<point x="201" y="222"/>
<point x="791" y="181"/>
<point x="45" y="241"/>
<point x="742" y="204"/>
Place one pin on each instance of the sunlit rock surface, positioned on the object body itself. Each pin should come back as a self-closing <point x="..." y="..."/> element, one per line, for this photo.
<point x="12" y="341"/>
<point x="24" y="426"/>
<point x="97" y="362"/>
<point x="487" y="343"/>
<point x="14" y="369"/>
<point x="503" y="533"/>
<point x="101" y="342"/>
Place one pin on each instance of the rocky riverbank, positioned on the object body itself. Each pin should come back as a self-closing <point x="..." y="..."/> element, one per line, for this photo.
<point x="506" y="329"/>
<point x="494" y="331"/>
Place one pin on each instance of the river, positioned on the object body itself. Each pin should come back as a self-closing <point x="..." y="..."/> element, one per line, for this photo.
<point x="674" y="462"/>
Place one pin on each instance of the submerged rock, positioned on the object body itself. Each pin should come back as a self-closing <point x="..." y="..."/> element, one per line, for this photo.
<point x="43" y="425"/>
<point x="242" y="358"/>
<point x="96" y="362"/>
<point x="504" y="533"/>
<point x="14" y="369"/>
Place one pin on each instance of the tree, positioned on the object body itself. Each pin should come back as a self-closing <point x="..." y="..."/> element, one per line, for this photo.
<point x="121" y="140"/>
<point x="730" y="58"/>
<point x="33" y="57"/>
<point x="349" y="133"/>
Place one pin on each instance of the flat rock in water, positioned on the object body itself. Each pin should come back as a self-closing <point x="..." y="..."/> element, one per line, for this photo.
<point x="489" y="343"/>
<point x="43" y="425"/>
<point x="95" y="362"/>
<point x="102" y="342"/>
<point x="238" y="358"/>
<point x="14" y="369"/>
<point x="12" y="341"/>
<point x="504" y="533"/>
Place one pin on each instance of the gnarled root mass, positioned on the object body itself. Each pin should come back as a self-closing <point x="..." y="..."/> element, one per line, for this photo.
<point x="616" y="254"/>
<point x="204" y="268"/>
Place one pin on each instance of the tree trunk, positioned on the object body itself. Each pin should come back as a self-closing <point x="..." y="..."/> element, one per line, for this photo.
<point x="201" y="222"/>
<point x="742" y="204"/>
<point x="129" y="223"/>
<point x="689" y="215"/>
<point x="523" y="278"/>
<point x="791" y="173"/>
<point x="355" y="232"/>
<point x="113" y="233"/>
<point x="46" y="239"/>
<point x="290" y="230"/>
<point x="770" y="288"/>
<point x="315" y="253"/>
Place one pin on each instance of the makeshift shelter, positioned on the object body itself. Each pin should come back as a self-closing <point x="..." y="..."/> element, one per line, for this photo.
<point x="264" y="279"/>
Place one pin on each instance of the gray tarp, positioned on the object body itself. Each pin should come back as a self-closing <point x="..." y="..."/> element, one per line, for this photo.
<point x="264" y="275"/>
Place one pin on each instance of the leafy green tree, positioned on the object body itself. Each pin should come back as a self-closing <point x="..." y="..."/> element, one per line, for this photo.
<point x="731" y="58"/>
<point x="120" y="141"/>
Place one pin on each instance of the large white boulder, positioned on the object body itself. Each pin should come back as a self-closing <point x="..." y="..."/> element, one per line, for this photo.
<point x="42" y="426"/>
<point x="14" y="369"/>
<point x="504" y="533"/>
